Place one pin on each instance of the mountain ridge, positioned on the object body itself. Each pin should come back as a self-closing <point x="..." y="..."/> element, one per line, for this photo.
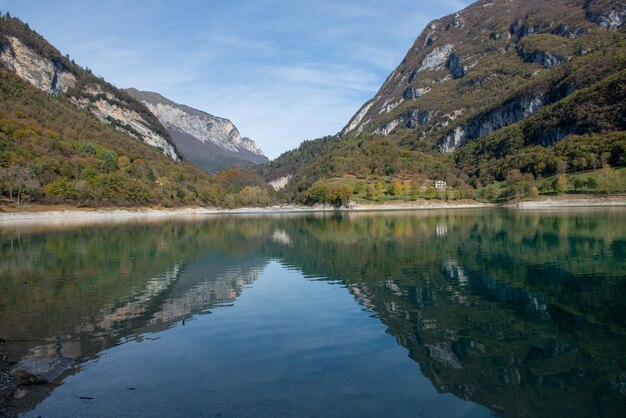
<point x="36" y="61"/>
<point x="462" y="56"/>
<point x="211" y="142"/>
<point x="58" y="144"/>
<point x="482" y="94"/>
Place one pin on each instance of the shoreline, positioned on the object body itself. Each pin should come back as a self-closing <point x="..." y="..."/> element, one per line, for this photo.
<point x="71" y="215"/>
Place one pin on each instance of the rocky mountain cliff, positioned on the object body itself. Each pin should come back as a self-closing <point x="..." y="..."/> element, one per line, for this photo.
<point x="489" y="66"/>
<point x="530" y="86"/>
<point x="69" y="137"/>
<point x="209" y="141"/>
<point x="33" y="59"/>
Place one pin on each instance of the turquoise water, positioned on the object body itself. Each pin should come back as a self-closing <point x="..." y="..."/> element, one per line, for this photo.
<point x="458" y="313"/>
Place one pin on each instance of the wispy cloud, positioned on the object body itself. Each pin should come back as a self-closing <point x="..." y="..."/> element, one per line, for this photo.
<point x="281" y="71"/>
<point x="336" y="76"/>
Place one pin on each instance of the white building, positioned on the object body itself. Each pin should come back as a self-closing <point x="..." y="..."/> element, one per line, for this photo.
<point x="440" y="185"/>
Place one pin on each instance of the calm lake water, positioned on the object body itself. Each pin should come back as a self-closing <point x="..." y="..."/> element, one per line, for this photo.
<point x="433" y="314"/>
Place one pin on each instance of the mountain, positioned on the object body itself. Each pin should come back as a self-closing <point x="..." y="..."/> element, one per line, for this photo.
<point x="491" y="65"/>
<point x="211" y="142"/>
<point x="69" y="137"/>
<point x="34" y="60"/>
<point x="531" y="85"/>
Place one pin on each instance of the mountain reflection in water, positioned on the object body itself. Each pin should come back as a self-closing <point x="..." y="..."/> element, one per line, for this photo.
<point x="523" y="313"/>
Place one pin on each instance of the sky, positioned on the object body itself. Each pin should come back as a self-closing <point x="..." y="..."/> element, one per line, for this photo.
<point x="281" y="70"/>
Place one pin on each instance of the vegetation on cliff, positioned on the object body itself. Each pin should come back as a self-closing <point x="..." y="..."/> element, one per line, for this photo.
<point x="53" y="152"/>
<point x="494" y="93"/>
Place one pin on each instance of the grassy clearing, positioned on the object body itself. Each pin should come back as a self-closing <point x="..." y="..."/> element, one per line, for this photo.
<point x="388" y="189"/>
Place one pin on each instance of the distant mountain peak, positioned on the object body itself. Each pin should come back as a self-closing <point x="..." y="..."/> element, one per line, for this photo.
<point x="210" y="141"/>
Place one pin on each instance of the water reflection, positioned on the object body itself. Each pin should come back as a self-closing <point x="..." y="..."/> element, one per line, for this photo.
<point x="520" y="312"/>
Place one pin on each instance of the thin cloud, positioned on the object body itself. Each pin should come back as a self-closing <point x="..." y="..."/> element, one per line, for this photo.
<point x="335" y="76"/>
<point x="281" y="71"/>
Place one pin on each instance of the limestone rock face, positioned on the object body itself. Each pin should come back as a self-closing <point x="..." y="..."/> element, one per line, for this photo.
<point x="606" y="18"/>
<point x="38" y="71"/>
<point x="209" y="141"/>
<point x="545" y="59"/>
<point x="488" y="122"/>
<point x="474" y="72"/>
<point x="41" y="65"/>
<point x="280" y="183"/>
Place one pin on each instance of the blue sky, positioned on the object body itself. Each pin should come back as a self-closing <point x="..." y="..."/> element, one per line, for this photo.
<point x="282" y="71"/>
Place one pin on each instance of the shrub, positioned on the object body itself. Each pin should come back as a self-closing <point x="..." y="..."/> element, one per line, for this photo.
<point x="108" y="160"/>
<point x="253" y="196"/>
<point x="591" y="183"/>
<point x="334" y="194"/>
<point x="61" y="188"/>
<point x="395" y="189"/>
<point x="121" y="189"/>
<point x="431" y="193"/>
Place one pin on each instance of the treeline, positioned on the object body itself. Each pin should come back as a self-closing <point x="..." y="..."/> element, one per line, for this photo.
<point x="361" y="156"/>
<point x="334" y="194"/>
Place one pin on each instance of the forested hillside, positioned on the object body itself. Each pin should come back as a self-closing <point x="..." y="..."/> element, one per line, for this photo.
<point x="503" y="90"/>
<point x="53" y="152"/>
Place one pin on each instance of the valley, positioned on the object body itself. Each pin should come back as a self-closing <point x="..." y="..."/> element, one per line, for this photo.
<point x="503" y="101"/>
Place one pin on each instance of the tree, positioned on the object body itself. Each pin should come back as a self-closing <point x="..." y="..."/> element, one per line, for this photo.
<point x="339" y="194"/>
<point x="108" y="160"/>
<point x="578" y="184"/>
<point x="358" y="187"/>
<point x="371" y="191"/>
<point x="431" y="193"/>
<point x="491" y="193"/>
<point x="560" y="184"/>
<point x="395" y="188"/>
<point x="608" y="178"/>
<point x="123" y="162"/>
<point x="591" y="183"/>
<point x="561" y="166"/>
<point x="60" y="188"/>
<point x="406" y="186"/>
<point x="534" y="193"/>
<point x="618" y="154"/>
<point x="335" y="194"/>
<point x="253" y="196"/>
<point x="19" y="180"/>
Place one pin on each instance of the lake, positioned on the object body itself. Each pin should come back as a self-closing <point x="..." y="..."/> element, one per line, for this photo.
<point x="464" y="313"/>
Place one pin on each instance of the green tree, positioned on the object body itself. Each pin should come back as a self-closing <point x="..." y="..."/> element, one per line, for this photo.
<point x="61" y="188"/>
<point x="591" y="183"/>
<point x="109" y="160"/>
<point x="395" y="188"/>
<point x="19" y="180"/>
<point x="491" y="193"/>
<point x="371" y="191"/>
<point x="608" y="178"/>
<point x="431" y="193"/>
<point x="578" y="184"/>
<point x="559" y="185"/>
